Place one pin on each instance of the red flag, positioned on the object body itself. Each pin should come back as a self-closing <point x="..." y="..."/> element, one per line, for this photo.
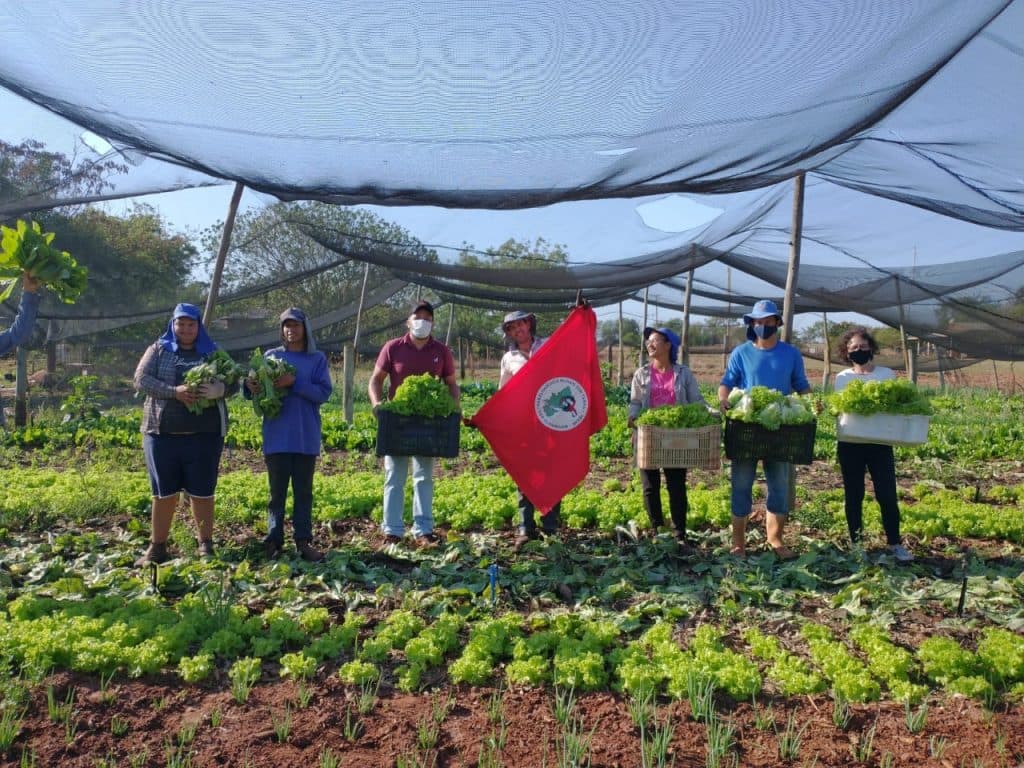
<point x="539" y="424"/>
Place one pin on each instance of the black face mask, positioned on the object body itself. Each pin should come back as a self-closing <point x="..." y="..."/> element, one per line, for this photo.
<point x="764" y="331"/>
<point x="860" y="356"/>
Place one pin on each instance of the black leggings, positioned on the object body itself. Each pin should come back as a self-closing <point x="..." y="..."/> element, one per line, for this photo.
<point x="854" y="459"/>
<point x="675" y="481"/>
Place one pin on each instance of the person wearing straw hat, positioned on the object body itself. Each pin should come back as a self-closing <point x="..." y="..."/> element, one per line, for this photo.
<point x="662" y="382"/>
<point x="520" y="329"/>
<point x="763" y="361"/>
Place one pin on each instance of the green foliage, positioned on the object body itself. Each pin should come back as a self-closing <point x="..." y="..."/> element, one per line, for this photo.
<point x="889" y="396"/>
<point x="768" y="407"/>
<point x="421" y="395"/>
<point x="266" y="369"/>
<point x="689" y="416"/>
<point x="218" y="367"/>
<point x="26" y="248"/>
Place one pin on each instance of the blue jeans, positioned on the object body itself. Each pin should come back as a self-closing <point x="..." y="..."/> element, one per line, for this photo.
<point x="296" y="468"/>
<point x="776" y="474"/>
<point x="396" y="470"/>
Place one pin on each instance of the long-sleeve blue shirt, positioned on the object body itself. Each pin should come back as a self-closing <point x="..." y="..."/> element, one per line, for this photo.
<point x="780" y="368"/>
<point x="297" y="428"/>
<point x="21" y="328"/>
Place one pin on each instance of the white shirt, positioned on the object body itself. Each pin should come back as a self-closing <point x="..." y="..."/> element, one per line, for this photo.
<point x="513" y="360"/>
<point x="844" y="377"/>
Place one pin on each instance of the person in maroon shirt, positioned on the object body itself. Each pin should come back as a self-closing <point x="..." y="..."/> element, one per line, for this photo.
<point x="415" y="353"/>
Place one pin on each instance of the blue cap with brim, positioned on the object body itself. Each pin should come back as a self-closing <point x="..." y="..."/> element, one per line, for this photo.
<point x="762" y="309"/>
<point x="673" y="341"/>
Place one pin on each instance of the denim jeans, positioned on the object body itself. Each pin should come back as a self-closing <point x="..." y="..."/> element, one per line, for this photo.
<point x="396" y="470"/>
<point x="296" y="468"/>
<point x="776" y="474"/>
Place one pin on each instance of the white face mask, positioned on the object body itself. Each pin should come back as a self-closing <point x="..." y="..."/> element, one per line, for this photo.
<point x="420" y="328"/>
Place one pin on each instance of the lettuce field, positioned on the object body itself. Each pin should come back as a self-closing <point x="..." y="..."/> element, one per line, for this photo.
<point x="603" y="646"/>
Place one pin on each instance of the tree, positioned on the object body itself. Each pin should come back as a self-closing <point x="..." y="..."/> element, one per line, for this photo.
<point x="608" y="332"/>
<point x="29" y="173"/>
<point x="271" y="255"/>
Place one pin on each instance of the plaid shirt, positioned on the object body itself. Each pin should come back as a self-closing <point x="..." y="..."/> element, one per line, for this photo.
<point x="155" y="377"/>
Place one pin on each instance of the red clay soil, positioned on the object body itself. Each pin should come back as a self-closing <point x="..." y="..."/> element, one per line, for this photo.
<point x="958" y="732"/>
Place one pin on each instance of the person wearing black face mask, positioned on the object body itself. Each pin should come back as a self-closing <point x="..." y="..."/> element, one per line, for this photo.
<point x="858" y="347"/>
<point x="765" y="361"/>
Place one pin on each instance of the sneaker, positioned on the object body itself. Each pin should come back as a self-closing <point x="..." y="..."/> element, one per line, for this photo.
<point x="901" y="554"/>
<point x="206" y="548"/>
<point x="390" y="538"/>
<point x="271" y="549"/>
<point x="156" y="553"/>
<point x="308" y="552"/>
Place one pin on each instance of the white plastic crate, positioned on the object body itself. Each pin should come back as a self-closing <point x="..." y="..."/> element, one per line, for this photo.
<point x="882" y="428"/>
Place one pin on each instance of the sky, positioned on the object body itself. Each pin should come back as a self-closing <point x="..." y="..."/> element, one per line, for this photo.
<point x="593" y="231"/>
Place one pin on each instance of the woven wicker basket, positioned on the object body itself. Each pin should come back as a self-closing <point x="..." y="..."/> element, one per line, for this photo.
<point x="658" y="447"/>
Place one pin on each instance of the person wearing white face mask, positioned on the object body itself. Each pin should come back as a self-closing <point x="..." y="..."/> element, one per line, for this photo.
<point x="414" y="354"/>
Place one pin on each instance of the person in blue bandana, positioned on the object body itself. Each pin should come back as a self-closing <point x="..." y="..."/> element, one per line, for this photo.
<point x="182" y="448"/>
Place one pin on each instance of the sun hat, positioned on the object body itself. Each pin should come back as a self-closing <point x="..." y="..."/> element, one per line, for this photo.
<point x="762" y="309"/>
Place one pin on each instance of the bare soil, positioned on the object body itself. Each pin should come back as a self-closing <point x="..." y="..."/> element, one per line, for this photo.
<point x="154" y="714"/>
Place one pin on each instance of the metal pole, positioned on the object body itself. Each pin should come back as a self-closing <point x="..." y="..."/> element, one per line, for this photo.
<point x="222" y="253"/>
<point x="685" y="341"/>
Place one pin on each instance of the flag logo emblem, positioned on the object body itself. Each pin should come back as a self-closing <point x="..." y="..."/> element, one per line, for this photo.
<point x="561" y="404"/>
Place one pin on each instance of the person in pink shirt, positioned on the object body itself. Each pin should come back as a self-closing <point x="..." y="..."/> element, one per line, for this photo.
<point x="663" y="381"/>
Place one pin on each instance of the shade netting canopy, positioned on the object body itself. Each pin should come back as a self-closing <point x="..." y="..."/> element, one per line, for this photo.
<point x="907" y="117"/>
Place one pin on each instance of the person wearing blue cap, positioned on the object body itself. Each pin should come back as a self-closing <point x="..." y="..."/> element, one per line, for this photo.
<point x="663" y="381"/>
<point x="182" y="448"/>
<point x="768" y="362"/>
<point x="291" y="440"/>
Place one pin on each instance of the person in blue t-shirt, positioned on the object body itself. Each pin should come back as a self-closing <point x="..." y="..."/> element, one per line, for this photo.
<point x="768" y="362"/>
<point x="291" y="440"/>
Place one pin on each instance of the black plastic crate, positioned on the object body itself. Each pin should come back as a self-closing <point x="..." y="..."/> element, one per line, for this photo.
<point x="790" y="442"/>
<point x="399" y="435"/>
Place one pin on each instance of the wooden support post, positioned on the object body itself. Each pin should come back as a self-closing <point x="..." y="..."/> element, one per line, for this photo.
<point x="21" y="389"/>
<point x="685" y="340"/>
<point x="222" y="254"/>
<point x="789" y="301"/>
<point x="451" y="319"/>
<point x="826" y="368"/>
<point x="348" y="367"/>
<point x="359" y="314"/>
<point x="622" y="352"/>
<point x="643" y="347"/>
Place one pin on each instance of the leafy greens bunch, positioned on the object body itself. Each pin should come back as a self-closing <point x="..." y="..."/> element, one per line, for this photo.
<point x="768" y="407"/>
<point x="689" y="416"/>
<point x="889" y="396"/>
<point x="218" y="367"/>
<point x="266" y="370"/>
<point x="422" y="395"/>
<point x="27" y="249"/>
